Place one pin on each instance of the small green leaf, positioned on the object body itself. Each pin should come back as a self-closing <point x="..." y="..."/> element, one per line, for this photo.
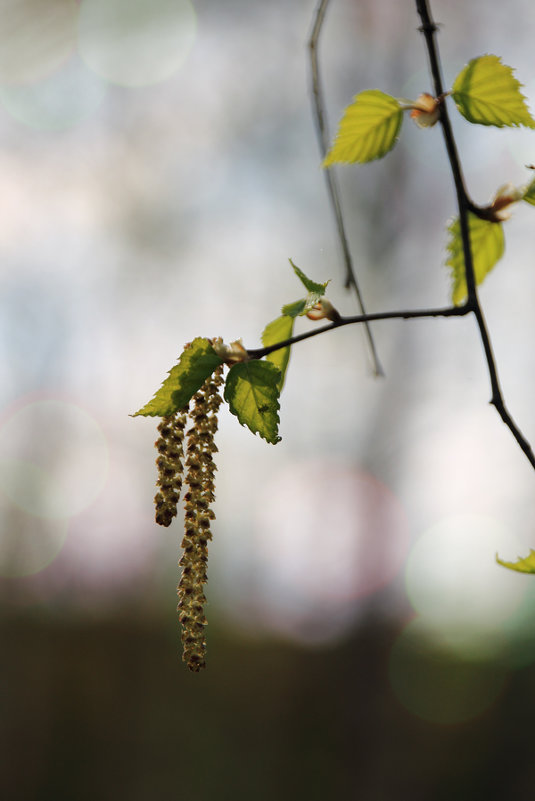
<point x="277" y="331"/>
<point x="368" y="130"/>
<point x="529" y="194"/>
<point x="300" y="307"/>
<point x="526" y="565"/>
<point x="315" y="292"/>
<point x="486" y="93"/>
<point x="310" y="286"/>
<point x="295" y="309"/>
<point x="252" y="393"/>
<point x="487" y="243"/>
<point x="197" y="362"/>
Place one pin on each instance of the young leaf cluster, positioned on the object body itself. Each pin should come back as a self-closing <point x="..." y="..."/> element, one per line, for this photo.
<point x="486" y="93"/>
<point x="253" y="386"/>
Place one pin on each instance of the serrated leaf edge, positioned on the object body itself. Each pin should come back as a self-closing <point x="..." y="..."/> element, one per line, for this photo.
<point x="183" y="356"/>
<point x="513" y="565"/>
<point x="273" y="406"/>
<point x="517" y="87"/>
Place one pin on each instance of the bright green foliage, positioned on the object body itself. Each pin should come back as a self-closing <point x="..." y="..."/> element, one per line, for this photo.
<point x="196" y="363"/>
<point x="486" y="92"/>
<point x="368" y="130"/>
<point x="277" y="331"/>
<point x="315" y="292"/>
<point x="529" y="195"/>
<point x="526" y="565"/>
<point x="252" y="393"/>
<point x="487" y="243"/>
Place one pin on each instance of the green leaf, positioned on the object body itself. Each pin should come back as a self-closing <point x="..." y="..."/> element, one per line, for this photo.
<point x="295" y="309"/>
<point x="197" y="362"/>
<point x="487" y="242"/>
<point x="526" y="565"/>
<point x="310" y="286"/>
<point x="315" y="292"/>
<point x="529" y="194"/>
<point x="368" y="130"/>
<point x="252" y="393"/>
<point x="300" y="307"/>
<point x="277" y="331"/>
<point x="486" y="93"/>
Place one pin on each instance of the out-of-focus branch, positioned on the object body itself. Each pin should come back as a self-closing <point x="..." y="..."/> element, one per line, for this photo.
<point x="330" y="177"/>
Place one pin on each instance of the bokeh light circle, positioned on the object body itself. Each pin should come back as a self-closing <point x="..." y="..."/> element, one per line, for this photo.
<point x="53" y="459"/>
<point x="136" y="42"/>
<point x="452" y="580"/>
<point x="437" y="685"/>
<point x="68" y="97"/>
<point x="35" y="38"/>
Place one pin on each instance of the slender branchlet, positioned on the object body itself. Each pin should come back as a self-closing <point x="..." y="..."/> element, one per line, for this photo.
<point x="407" y="314"/>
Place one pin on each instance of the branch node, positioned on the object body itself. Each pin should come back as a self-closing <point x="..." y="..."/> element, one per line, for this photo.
<point x="428" y="27"/>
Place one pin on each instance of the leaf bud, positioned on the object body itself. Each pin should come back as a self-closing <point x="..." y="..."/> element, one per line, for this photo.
<point x="426" y="110"/>
<point x="505" y="196"/>
<point x="323" y="309"/>
<point x="231" y="354"/>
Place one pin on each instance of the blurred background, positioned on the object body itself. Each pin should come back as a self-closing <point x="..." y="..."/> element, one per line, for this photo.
<point x="158" y="168"/>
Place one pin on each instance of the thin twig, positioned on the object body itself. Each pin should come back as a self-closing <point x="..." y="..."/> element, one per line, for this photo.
<point x="330" y="177"/>
<point x="429" y="29"/>
<point x="407" y="314"/>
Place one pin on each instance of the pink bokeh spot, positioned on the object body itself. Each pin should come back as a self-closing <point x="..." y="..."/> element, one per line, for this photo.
<point x="328" y="535"/>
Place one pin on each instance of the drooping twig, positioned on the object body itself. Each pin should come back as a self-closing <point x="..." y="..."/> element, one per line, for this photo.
<point x="429" y="29"/>
<point x="322" y="131"/>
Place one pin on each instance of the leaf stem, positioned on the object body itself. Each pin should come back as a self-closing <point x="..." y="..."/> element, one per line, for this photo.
<point x="318" y="107"/>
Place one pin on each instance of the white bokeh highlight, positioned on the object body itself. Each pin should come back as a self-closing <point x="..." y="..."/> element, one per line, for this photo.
<point x="136" y="42"/>
<point x="53" y="459"/>
<point x="457" y="588"/>
<point x="36" y="37"/>
<point x="62" y="100"/>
